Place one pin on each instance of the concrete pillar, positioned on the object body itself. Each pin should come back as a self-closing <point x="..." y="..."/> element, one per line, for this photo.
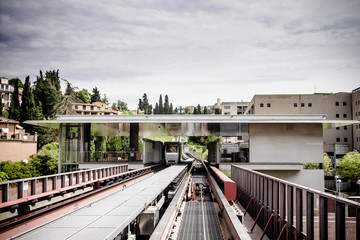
<point x="134" y="137"/>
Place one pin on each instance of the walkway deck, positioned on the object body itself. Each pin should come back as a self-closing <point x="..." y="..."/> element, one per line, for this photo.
<point x="106" y="218"/>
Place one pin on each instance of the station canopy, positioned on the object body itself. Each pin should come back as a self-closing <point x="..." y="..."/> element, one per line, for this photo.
<point x="184" y="125"/>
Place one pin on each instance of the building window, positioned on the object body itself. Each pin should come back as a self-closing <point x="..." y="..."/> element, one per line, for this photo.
<point x="295" y="104"/>
<point x="227" y="107"/>
<point x="345" y="127"/>
<point x="337" y="115"/>
<point x="345" y="139"/>
<point x="240" y="138"/>
<point x="302" y="104"/>
<point x="344" y="103"/>
<point x="337" y="128"/>
<point x="336" y="103"/>
<point x="337" y="139"/>
<point x="345" y="115"/>
<point x="92" y="107"/>
<point x="245" y="107"/>
<point x="309" y="104"/>
<point x="84" y="107"/>
<point x="261" y="105"/>
<point x="269" y="105"/>
<point x="76" y="107"/>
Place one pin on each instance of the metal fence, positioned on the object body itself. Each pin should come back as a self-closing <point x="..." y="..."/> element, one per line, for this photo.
<point x="111" y="156"/>
<point x="285" y="210"/>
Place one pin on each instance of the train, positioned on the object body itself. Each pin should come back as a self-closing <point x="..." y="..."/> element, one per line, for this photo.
<point x="173" y="151"/>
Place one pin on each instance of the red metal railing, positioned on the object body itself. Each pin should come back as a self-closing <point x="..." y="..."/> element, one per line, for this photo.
<point x="285" y="210"/>
<point x="23" y="190"/>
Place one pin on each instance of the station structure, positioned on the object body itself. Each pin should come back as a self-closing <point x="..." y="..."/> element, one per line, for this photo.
<point x="269" y="196"/>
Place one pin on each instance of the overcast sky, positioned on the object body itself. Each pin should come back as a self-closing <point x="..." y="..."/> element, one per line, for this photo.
<point x="194" y="51"/>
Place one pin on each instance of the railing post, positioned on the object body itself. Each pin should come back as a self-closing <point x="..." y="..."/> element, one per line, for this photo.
<point x="290" y="211"/>
<point x="358" y="223"/>
<point x="309" y="215"/>
<point x="33" y="186"/>
<point x="323" y="218"/>
<point x="282" y="205"/>
<point x="5" y="192"/>
<point x="276" y="209"/>
<point x="340" y="220"/>
<point x="45" y="185"/>
<point x="299" y="213"/>
<point x="20" y="189"/>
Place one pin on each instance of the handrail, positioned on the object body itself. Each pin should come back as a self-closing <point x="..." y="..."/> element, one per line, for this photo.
<point x="286" y="201"/>
<point x="21" y="188"/>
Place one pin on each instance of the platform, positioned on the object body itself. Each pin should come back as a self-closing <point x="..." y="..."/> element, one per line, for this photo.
<point x="108" y="217"/>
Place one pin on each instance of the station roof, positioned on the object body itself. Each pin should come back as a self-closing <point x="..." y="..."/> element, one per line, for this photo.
<point x="185" y="125"/>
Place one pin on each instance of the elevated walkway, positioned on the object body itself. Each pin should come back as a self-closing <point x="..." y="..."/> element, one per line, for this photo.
<point x="108" y="217"/>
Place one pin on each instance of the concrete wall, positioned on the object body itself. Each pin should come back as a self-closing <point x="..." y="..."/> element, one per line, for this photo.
<point x="286" y="143"/>
<point x="336" y="106"/>
<point x="309" y="178"/>
<point x="16" y="150"/>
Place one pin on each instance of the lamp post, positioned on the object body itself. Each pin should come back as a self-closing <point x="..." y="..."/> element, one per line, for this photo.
<point x="339" y="190"/>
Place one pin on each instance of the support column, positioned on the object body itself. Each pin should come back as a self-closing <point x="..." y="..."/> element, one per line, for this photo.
<point x="134" y="140"/>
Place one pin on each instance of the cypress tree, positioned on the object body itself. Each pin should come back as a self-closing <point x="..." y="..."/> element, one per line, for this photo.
<point x="15" y="110"/>
<point x="171" y="110"/>
<point x="156" y="109"/>
<point x="28" y="107"/>
<point x="161" y="107"/>
<point x="141" y="105"/>
<point x="199" y="109"/>
<point x="166" y="105"/>
<point x="205" y="110"/>
<point x="95" y="96"/>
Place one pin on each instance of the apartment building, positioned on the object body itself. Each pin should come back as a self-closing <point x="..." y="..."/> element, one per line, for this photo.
<point x="5" y="92"/>
<point x="356" y="116"/>
<point x="337" y="106"/>
<point x="96" y="108"/>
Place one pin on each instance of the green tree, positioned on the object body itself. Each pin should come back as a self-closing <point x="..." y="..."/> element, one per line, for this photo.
<point x="17" y="81"/>
<point x="199" y="109"/>
<point x="166" y="105"/>
<point x="205" y="110"/>
<point x="122" y="106"/>
<point x="195" y="111"/>
<point x="156" y="109"/>
<point x="161" y="106"/>
<point x="15" y="110"/>
<point x="84" y="96"/>
<point x="28" y="106"/>
<point x="46" y="160"/>
<point x="327" y="165"/>
<point x="105" y="99"/>
<point x="140" y="105"/>
<point x="171" y="110"/>
<point x="47" y="93"/>
<point x="95" y="96"/>
<point x="217" y="110"/>
<point x="349" y="166"/>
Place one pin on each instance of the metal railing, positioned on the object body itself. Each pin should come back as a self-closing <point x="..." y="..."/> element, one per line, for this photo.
<point x="285" y="210"/>
<point x="23" y="189"/>
<point x="110" y="156"/>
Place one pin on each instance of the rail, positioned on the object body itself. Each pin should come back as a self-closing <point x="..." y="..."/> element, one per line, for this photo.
<point x="22" y="190"/>
<point x="285" y="210"/>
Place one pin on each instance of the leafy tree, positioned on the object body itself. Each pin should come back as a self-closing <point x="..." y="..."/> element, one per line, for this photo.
<point x="122" y="106"/>
<point x="46" y="160"/>
<point x="161" y="106"/>
<point x="95" y="96"/>
<point x="17" y="81"/>
<point x="166" y="105"/>
<point x="128" y="112"/>
<point x="205" y="110"/>
<point x="217" y="110"/>
<point x="186" y="110"/>
<point x="327" y="165"/>
<point x="195" y="111"/>
<point x="47" y="93"/>
<point x="349" y="166"/>
<point x="28" y="106"/>
<point x="17" y="170"/>
<point x="84" y="96"/>
<point x="15" y="110"/>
